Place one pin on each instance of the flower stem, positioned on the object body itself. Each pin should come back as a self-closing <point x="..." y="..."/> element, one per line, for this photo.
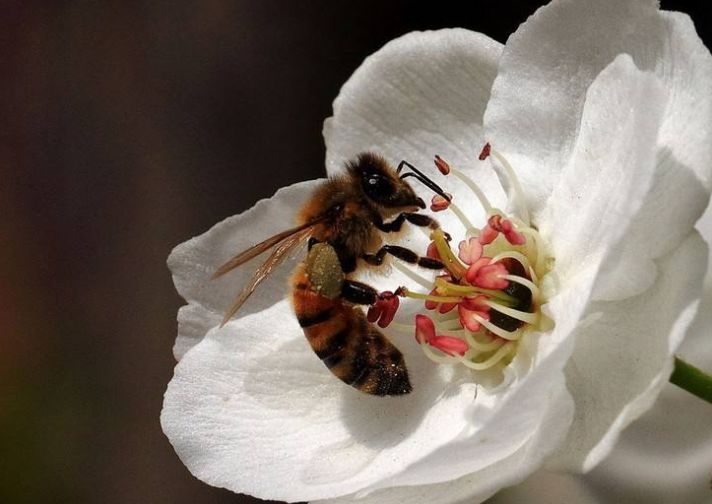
<point x="695" y="381"/>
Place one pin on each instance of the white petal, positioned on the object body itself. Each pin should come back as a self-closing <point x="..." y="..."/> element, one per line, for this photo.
<point x="666" y="455"/>
<point x="194" y="262"/>
<point x="476" y="487"/>
<point x="251" y="404"/>
<point x="621" y="362"/>
<point x="604" y="184"/>
<point x="549" y="63"/>
<point x="662" y="457"/>
<point x="670" y="209"/>
<point x="420" y="95"/>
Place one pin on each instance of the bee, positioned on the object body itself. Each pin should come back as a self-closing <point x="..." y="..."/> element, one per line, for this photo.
<point x="343" y="222"/>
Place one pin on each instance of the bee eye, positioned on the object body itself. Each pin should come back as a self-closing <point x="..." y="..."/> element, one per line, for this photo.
<point x="377" y="187"/>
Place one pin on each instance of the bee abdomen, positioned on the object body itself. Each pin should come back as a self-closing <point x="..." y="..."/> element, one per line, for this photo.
<point x="354" y="351"/>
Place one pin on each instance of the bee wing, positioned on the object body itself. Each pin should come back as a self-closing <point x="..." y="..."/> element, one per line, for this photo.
<point x="287" y="244"/>
<point x="256" y="250"/>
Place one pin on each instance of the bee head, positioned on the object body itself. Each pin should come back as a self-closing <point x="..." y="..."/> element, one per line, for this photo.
<point x="381" y="184"/>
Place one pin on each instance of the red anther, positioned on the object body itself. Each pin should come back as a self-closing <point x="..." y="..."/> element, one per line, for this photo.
<point x="515" y="237"/>
<point x="438" y="203"/>
<point x="474" y="268"/>
<point x="470" y="250"/>
<point x="449" y="345"/>
<point x="468" y="318"/>
<point x="374" y="312"/>
<point x="476" y="303"/>
<point x="442" y="165"/>
<point x="488" y="235"/>
<point x="384" y="309"/>
<point x="441" y="307"/>
<point x="484" y="154"/>
<point x="424" y="329"/>
<point x="490" y="277"/>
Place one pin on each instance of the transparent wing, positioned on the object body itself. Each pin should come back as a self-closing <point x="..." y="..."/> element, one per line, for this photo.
<point x="256" y="250"/>
<point x="282" y="250"/>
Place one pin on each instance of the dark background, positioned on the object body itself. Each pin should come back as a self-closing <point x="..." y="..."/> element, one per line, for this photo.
<point x="127" y="128"/>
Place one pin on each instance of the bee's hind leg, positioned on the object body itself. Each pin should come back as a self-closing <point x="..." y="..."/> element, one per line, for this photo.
<point x="403" y="254"/>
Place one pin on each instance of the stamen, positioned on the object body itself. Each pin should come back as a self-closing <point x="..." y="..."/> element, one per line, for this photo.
<point x="438" y="358"/>
<point x="529" y="318"/>
<point x="412" y="275"/>
<point x="446" y="255"/>
<point x="467" y="290"/>
<point x="474" y="188"/>
<point x="511" y="336"/>
<point x="466" y="223"/>
<point x="491" y="361"/>
<point x="430" y="297"/>
<point x="516" y="186"/>
<point x="482" y="347"/>
<point x="526" y="283"/>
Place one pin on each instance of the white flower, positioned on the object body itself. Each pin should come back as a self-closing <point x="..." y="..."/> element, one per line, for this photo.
<point x="663" y="457"/>
<point x="603" y="109"/>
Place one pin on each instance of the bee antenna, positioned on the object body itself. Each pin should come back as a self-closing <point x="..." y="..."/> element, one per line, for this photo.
<point x="424" y="179"/>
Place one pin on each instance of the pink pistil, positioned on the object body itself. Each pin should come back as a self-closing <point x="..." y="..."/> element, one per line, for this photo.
<point x="470" y="250"/>
<point x="384" y="309"/>
<point x="474" y="269"/>
<point x="495" y="225"/>
<point x="490" y="277"/>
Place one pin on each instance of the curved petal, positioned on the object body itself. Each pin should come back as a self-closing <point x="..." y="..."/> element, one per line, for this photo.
<point x="646" y="466"/>
<point x="639" y="333"/>
<point x="420" y="95"/>
<point x="673" y="467"/>
<point x="476" y="487"/>
<point x="193" y="263"/>
<point x="251" y="404"/>
<point x="552" y="59"/>
<point x="605" y="182"/>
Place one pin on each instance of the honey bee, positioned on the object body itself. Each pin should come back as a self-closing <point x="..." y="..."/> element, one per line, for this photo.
<point x="343" y="222"/>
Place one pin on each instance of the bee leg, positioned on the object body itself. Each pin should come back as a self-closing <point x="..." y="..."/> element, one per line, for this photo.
<point x="417" y="219"/>
<point x="358" y="293"/>
<point x="403" y="254"/>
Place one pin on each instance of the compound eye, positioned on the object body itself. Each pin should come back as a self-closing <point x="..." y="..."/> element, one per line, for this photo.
<point x="377" y="187"/>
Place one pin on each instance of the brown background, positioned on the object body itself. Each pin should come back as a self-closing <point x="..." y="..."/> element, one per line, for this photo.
<point x="128" y="127"/>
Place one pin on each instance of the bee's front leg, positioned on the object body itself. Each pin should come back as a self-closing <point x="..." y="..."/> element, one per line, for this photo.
<point x="382" y="306"/>
<point x="403" y="254"/>
<point x="417" y="219"/>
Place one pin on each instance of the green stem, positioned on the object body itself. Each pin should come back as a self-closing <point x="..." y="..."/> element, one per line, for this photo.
<point x="695" y="381"/>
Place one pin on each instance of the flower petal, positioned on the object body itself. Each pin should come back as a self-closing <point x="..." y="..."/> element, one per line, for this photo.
<point x="421" y="95"/>
<point x="552" y="59"/>
<point x="610" y="170"/>
<point x="252" y="404"/>
<point x="645" y="466"/>
<point x="638" y="334"/>
<point x="193" y="263"/>
<point x="476" y="487"/>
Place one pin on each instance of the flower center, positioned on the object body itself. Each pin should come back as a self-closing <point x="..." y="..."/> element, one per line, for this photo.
<point x="489" y="294"/>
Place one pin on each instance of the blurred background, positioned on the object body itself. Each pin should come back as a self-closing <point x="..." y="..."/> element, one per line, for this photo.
<point x="127" y="128"/>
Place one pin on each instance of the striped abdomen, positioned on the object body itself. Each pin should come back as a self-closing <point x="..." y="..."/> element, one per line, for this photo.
<point x="354" y="351"/>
